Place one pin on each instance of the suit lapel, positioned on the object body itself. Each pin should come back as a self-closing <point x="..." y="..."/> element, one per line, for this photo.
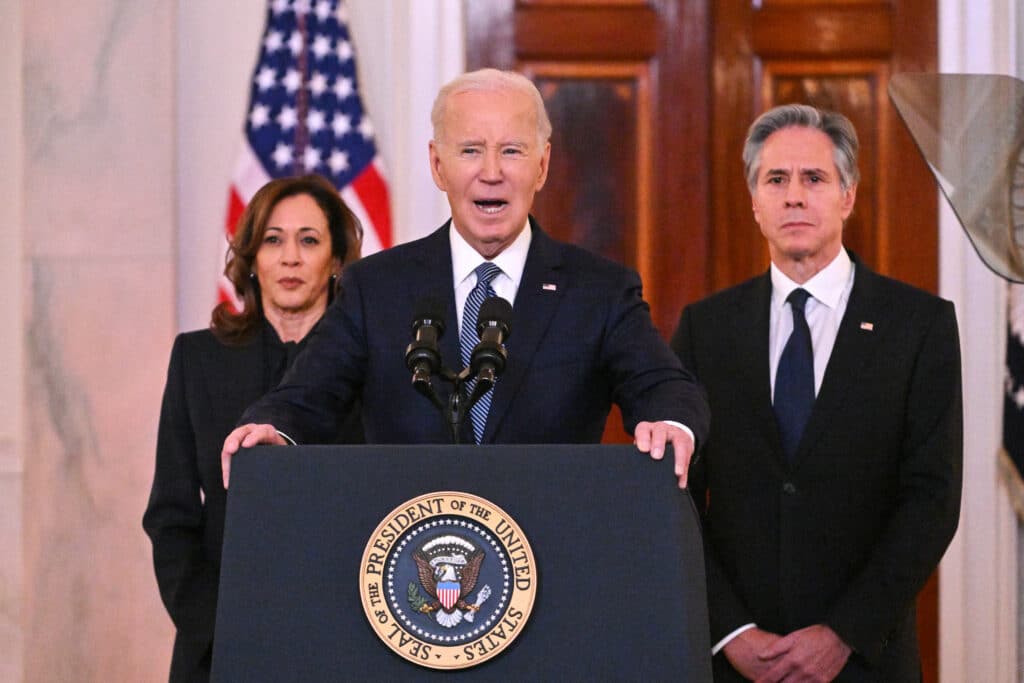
<point x="431" y="273"/>
<point x="862" y="328"/>
<point x="751" y="358"/>
<point x="538" y="297"/>
<point x="428" y="273"/>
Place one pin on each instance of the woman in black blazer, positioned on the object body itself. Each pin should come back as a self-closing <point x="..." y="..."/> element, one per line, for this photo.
<point x="290" y="245"/>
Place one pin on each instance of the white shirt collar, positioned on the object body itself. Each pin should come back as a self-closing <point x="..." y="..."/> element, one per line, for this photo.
<point x="512" y="259"/>
<point x="827" y="285"/>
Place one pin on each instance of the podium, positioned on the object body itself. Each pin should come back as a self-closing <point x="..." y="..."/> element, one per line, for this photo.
<point x="620" y="590"/>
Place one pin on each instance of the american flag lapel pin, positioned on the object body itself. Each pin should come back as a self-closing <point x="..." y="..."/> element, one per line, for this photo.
<point x="867" y="326"/>
<point x="549" y="287"/>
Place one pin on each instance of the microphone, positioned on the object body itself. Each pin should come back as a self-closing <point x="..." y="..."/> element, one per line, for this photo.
<point x="494" y="326"/>
<point x="422" y="356"/>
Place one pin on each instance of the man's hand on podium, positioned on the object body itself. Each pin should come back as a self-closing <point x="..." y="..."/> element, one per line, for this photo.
<point x="247" y="436"/>
<point x="651" y="437"/>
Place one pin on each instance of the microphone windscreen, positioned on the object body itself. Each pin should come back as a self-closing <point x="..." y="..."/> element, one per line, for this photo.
<point x="496" y="309"/>
<point x="429" y="308"/>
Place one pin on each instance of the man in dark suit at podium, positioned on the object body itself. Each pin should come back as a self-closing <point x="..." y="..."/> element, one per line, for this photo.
<point x="581" y="335"/>
<point x="831" y="482"/>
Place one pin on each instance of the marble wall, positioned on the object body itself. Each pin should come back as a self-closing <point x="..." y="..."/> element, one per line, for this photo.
<point x="99" y="293"/>
<point x="116" y="144"/>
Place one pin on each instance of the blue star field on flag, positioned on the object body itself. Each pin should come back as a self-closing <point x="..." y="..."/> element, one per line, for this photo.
<point x="305" y="112"/>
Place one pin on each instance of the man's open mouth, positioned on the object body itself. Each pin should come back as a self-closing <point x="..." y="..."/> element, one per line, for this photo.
<point x="490" y="205"/>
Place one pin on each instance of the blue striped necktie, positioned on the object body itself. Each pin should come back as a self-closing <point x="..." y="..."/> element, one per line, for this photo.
<point x="794" y="378"/>
<point x="468" y="339"/>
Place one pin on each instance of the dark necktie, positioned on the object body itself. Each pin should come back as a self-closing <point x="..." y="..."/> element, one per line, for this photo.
<point x="794" y="378"/>
<point x="468" y="339"/>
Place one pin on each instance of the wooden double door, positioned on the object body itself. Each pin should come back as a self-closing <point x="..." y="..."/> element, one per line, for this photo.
<point x="650" y="101"/>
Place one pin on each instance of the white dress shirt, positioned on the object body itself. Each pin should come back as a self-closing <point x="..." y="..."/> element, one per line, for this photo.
<point x="830" y="290"/>
<point x="465" y="259"/>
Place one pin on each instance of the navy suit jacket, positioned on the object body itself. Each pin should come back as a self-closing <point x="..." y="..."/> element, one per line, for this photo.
<point x="581" y="338"/>
<point x="849" y="533"/>
<point x="209" y="385"/>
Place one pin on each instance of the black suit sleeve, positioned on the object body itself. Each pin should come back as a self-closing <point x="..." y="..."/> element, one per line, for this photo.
<point x="649" y="385"/>
<point x="929" y="485"/>
<point x="726" y="611"/>
<point x="174" y="518"/>
<point x="326" y="378"/>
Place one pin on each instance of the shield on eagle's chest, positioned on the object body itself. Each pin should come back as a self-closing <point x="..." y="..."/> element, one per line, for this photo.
<point x="448" y="593"/>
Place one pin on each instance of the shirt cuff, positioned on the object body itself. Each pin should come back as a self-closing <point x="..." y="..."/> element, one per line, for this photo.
<point x="725" y="641"/>
<point x="290" y="440"/>
<point x="684" y="428"/>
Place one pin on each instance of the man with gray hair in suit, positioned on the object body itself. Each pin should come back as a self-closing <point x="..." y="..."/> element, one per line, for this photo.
<point x="831" y="483"/>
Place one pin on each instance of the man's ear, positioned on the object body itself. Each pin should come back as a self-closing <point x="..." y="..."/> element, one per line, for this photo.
<point x="545" y="160"/>
<point x="849" y="199"/>
<point x="435" y="166"/>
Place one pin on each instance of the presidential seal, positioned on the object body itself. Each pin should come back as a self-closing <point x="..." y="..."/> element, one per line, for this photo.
<point x="448" y="580"/>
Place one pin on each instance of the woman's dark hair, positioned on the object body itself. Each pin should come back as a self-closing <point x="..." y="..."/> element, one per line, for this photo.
<point x="235" y="327"/>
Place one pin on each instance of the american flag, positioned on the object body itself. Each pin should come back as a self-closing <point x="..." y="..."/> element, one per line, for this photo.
<point x="306" y="116"/>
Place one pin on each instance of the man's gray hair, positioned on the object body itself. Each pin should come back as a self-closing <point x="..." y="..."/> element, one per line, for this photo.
<point x="490" y="80"/>
<point x="833" y="124"/>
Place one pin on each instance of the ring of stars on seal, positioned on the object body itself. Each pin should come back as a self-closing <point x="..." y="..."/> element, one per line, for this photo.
<point x="448" y="580"/>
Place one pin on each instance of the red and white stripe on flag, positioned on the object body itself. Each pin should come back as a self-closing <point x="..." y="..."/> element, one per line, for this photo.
<point x="448" y="594"/>
<point x="306" y="116"/>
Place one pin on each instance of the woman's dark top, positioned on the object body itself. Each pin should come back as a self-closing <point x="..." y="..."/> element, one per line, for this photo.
<point x="209" y="385"/>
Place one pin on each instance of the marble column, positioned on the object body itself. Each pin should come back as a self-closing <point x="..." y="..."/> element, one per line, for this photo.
<point x="11" y="345"/>
<point x="976" y="578"/>
<point x="99" y="245"/>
